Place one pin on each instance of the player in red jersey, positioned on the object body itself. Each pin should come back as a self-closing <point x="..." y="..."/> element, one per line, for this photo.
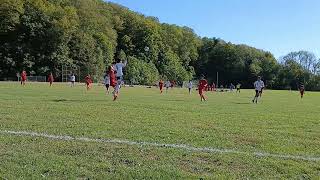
<point x="88" y="81"/>
<point x="23" y="77"/>
<point x="112" y="75"/>
<point x="202" y="86"/>
<point x="301" y="89"/>
<point x="50" y="79"/>
<point x="161" y="86"/>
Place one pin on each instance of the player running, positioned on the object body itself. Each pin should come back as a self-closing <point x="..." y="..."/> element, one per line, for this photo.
<point x="258" y="85"/>
<point x="50" y="79"/>
<point x="190" y="86"/>
<point x="23" y="77"/>
<point x="301" y="89"/>
<point x="202" y="86"/>
<point x="88" y="82"/>
<point x="119" y="68"/>
<point x="161" y="86"/>
<point x="238" y="86"/>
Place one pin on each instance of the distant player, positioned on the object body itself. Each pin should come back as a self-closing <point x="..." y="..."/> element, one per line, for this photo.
<point x="107" y="81"/>
<point x="161" y="86"/>
<point x="167" y="85"/>
<point x="301" y="89"/>
<point x="119" y="75"/>
<point x="258" y="85"/>
<point x="190" y="86"/>
<point x="72" y="80"/>
<point x="23" y="77"/>
<point x="88" y="82"/>
<point x="202" y="86"/>
<point x="50" y="79"/>
<point x="213" y="86"/>
<point x="238" y="87"/>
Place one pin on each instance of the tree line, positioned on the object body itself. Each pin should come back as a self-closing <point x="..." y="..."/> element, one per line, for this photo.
<point x="41" y="36"/>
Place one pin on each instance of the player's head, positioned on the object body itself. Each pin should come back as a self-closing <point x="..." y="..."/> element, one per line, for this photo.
<point x="259" y="77"/>
<point x="119" y="60"/>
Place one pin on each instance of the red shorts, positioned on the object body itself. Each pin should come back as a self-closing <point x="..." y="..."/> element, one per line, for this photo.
<point x="160" y="87"/>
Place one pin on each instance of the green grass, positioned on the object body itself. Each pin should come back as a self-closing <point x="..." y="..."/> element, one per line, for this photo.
<point x="281" y="124"/>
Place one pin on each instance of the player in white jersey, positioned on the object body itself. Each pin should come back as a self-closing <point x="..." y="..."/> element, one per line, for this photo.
<point x="72" y="80"/>
<point x="167" y="85"/>
<point x="190" y="86"/>
<point x="119" y="75"/>
<point x="258" y="86"/>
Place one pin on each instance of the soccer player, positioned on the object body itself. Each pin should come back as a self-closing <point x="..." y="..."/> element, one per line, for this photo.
<point x="190" y="86"/>
<point x="258" y="85"/>
<point x="213" y="86"/>
<point x="301" y="89"/>
<point x="238" y="87"/>
<point x="23" y="77"/>
<point x="107" y="81"/>
<point x="50" y="79"/>
<point x="167" y="85"/>
<point x="202" y="86"/>
<point x="119" y="68"/>
<point x="161" y="86"/>
<point x="72" y="80"/>
<point x="88" y="81"/>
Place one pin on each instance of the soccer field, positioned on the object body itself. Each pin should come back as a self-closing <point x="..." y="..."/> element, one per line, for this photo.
<point x="67" y="133"/>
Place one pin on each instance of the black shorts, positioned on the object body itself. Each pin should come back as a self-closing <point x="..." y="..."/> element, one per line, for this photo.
<point x="238" y="89"/>
<point x="119" y="78"/>
<point x="107" y="85"/>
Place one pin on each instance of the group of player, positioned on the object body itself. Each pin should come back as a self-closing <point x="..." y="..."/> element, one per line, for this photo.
<point x="114" y="78"/>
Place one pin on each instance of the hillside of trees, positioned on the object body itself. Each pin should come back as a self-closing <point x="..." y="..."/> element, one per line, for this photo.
<point x="41" y="36"/>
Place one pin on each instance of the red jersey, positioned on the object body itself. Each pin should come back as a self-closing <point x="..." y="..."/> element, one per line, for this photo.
<point x="203" y="84"/>
<point x="88" y="80"/>
<point x="50" y="78"/>
<point x="112" y="75"/>
<point x="160" y="83"/>
<point x="23" y="76"/>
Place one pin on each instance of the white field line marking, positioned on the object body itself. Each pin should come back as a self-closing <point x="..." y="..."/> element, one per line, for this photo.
<point x="174" y="146"/>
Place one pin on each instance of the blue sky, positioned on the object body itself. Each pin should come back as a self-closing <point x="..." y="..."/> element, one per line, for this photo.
<point x="278" y="26"/>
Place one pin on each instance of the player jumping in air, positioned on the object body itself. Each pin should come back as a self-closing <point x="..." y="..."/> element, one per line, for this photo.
<point x="258" y="85"/>
<point x="107" y="81"/>
<point x="88" y="81"/>
<point x="161" y="86"/>
<point x="202" y="86"/>
<point x="119" y="68"/>
<point x="190" y="86"/>
<point x="23" y="78"/>
<point x="50" y="79"/>
<point x="301" y="89"/>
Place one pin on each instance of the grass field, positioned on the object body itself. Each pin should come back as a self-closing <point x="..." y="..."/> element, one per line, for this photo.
<point x="282" y="124"/>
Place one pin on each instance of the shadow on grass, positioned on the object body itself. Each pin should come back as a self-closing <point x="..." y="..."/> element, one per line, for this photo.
<point x="241" y="103"/>
<point x="77" y="100"/>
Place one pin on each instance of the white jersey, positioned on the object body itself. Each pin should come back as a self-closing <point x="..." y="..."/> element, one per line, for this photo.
<point x="259" y="85"/>
<point x="73" y="78"/>
<point x="107" y="79"/>
<point x="190" y="85"/>
<point x="167" y="84"/>
<point x="119" y="67"/>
